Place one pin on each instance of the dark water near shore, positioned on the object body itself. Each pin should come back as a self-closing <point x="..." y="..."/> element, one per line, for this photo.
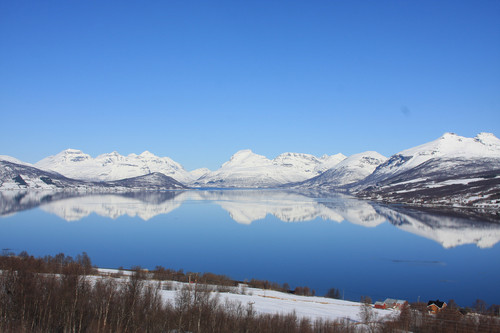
<point x="359" y="247"/>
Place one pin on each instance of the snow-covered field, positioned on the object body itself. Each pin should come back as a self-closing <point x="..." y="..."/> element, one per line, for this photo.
<point x="275" y="302"/>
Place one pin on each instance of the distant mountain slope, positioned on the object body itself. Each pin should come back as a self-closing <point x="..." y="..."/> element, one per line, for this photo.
<point x="351" y="170"/>
<point x="113" y="166"/>
<point x="197" y="173"/>
<point x="451" y="170"/>
<point x="21" y="176"/>
<point x="152" y="181"/>
<point x="15" y="176"/>
<point x="246" y="169"/>
<point x="443" y="182"/>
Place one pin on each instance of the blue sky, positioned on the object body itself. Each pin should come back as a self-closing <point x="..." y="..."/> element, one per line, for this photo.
<point x="199" y="80"/>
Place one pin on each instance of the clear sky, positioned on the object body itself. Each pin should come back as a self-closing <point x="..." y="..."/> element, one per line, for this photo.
<point x="199" y="80"/>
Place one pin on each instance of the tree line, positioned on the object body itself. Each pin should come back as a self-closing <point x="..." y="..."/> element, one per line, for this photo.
<point x="57" y="294"/>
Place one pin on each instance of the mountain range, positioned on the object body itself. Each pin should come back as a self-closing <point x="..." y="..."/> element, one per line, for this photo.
<point x="451" y="170"/>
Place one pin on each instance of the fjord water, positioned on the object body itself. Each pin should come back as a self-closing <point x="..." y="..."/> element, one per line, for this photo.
<point x="358" y="247"/>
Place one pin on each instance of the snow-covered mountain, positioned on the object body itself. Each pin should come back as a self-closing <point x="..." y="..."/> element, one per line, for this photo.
<point x="351" y="170"/>
<point x="75" y="164"/>
<point x="448" y="147"/>
<point x="246" y="169"/>
<point x="450" y="170"/>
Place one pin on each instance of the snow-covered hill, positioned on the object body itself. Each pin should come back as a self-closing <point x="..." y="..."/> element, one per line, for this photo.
<point x="351" y="170"/>
<point x="15" y="176"/>
<point x="246" y="169"/>
<point x="75" y="164"/>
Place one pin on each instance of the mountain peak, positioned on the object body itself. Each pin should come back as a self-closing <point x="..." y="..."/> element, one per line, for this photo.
<point x="70" y="155"/>
<point x="71" y="151"/>
<point x="243" y="152"/>
<point x="147" y="153"/>
<point x="449" y="135"/>
<point x="487" y="138"/>
<point x="246" y="157"/>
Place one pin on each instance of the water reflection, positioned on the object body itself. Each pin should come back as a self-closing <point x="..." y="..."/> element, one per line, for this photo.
<point x="246" y="206"/>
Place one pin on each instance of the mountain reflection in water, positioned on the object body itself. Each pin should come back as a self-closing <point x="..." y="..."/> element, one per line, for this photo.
<point x="246" y="206"/>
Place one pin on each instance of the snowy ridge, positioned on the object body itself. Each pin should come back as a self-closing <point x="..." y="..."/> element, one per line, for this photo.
<point x="351" y="170"/>
<point x="449" y="146"/>
<point x="246" y="169"/>
<point x="75" y="164"/>
<point x="14" y="160"/>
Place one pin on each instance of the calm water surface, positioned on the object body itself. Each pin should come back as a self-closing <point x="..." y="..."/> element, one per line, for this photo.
<point x="359" y="247"/>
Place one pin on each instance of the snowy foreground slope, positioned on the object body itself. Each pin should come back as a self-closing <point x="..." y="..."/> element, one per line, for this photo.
<point x="275" y="302"/>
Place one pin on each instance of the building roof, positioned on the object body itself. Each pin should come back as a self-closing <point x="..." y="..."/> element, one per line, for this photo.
<point x="437" y="302"/>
